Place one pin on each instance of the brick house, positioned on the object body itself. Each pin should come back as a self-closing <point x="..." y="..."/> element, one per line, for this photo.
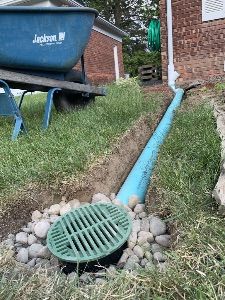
<point x="103" y="56"/>
<point x="198" y="38"/>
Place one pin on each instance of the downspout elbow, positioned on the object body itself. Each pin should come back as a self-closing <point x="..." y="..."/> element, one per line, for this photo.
<point x="172" y="77"/>
<point x="172" y="74"/>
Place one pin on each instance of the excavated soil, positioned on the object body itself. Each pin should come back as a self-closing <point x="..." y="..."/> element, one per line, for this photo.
<point x="105" y="176"/>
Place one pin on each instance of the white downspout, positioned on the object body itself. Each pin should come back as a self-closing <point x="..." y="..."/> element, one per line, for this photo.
<point x="172" y="74"/>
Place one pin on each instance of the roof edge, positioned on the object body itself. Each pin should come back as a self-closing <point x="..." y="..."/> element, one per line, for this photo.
<point x="99" y="22"/>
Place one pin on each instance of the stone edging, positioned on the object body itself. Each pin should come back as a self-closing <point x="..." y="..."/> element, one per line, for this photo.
<point x="219" y="190"/>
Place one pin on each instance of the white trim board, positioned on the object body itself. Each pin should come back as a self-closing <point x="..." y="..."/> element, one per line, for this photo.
<point x="111" y="35"/>
<point x="116" y="61"/>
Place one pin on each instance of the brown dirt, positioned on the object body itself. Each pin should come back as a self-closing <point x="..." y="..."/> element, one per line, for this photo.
<point x="105" y="176"/>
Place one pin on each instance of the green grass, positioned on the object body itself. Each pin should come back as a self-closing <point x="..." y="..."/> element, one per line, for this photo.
<point x="72" y="141"/>
<point x="185" y="175"/>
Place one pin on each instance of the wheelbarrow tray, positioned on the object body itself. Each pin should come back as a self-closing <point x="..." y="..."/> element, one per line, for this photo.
<point x="43" y="84"/>
<point x="44" y="38"/>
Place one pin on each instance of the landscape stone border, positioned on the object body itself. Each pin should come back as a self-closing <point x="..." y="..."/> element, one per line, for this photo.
<point x="219" y="190"/>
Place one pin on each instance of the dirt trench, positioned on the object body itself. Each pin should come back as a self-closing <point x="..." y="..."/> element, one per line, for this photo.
<point x="105" y="176"/>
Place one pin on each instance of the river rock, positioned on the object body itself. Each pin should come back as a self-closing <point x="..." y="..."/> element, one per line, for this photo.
<point x="138" y="251"/>
<point x="117" y="202"/>
<point x="100" y="198"/>
<point x="133" y="201"/>
<point x="136" y="226"/>
<point x="139" y="208"/>
<point x="34" y="250"/>
<point x="44" y="253"/>
<point x="145" y="225"/>
<point x="157" y="226"/>
<point x="45" y="216"/>
<point x="22" y="255"/>
<point x="148" y="256"/>
<point x="41" y="229"/>
<point x="53" y="218"/>
<point x="65" y="209"/>
<point x="32" y="262"/>
<point x="142" y="215"/>
<point x="146" y="247"/>
<point x="132" y="240"/>
<point x="129" y="251"/>
<point x="36" y="216"/>
<point x="62" y="203"/>
<point x="75" y="203"/>
<point x="159" y="257"/>
<point x="54" y="209"/>
<point x="137" y="216"/>
<point x="156" y="248"/>
<point x="132" y="263"/>
<point x="123" y="260"/>
<point x="21" y="238"/>
<point x="163" y="240"/>
<point x="31" y="226"/>
<point x="112" y="196"/>
<point x="144" y="261"/>
<point x="31" y="239"/>
<point x="147" y="236"/>
<point x="26" y="229"/>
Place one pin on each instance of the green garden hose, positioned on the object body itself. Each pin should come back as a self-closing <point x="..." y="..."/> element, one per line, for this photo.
<point x="154" y="40"/>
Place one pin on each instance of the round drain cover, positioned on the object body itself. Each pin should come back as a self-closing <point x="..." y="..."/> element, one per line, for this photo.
<point x="89" y="233"/>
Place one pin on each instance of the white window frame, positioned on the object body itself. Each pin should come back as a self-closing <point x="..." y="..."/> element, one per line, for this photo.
<point x="220" y="14"/>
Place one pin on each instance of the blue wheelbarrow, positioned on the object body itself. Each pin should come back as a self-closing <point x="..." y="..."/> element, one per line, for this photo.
<point x="39" y="48"/>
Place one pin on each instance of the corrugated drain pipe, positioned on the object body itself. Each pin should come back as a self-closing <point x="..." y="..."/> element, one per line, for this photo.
<point x="139" y="178"/>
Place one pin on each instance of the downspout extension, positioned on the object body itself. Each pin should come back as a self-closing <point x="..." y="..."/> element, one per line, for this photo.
<point x="139" y="178"/>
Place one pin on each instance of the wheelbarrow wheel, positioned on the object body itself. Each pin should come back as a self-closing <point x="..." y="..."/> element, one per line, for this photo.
<point x="65" y="101"/>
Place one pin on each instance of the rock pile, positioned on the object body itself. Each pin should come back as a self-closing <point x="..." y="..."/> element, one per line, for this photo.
<point x="145" y="247"/>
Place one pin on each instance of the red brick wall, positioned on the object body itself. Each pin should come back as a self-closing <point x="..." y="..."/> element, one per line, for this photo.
<point x="199" y="47"/>
<point x="99" y="58"/>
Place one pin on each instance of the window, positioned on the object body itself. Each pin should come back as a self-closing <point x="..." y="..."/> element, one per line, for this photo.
<point x="213" y="9"/>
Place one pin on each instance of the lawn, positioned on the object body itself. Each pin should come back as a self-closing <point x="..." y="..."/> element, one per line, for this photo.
<point x="185" y="176"/>
<point x="73" y="140"/>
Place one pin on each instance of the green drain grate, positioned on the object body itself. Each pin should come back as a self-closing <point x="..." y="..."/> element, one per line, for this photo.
<point x="89" y="233"/>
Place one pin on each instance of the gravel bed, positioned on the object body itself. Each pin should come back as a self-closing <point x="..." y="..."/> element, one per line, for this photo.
<point x="145" y="247"/>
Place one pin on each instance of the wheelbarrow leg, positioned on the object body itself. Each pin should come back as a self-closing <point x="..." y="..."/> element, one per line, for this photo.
<point x="9" y="107"/>
<point x="48" y="106"/>
<point x="22" y="97"/>
<point x="17" y="127"/>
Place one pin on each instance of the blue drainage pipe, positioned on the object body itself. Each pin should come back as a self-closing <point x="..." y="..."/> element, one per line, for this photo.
<point x="139" y="178"/>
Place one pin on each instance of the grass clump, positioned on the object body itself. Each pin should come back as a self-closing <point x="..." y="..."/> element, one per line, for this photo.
<point x="72" y="141"/>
